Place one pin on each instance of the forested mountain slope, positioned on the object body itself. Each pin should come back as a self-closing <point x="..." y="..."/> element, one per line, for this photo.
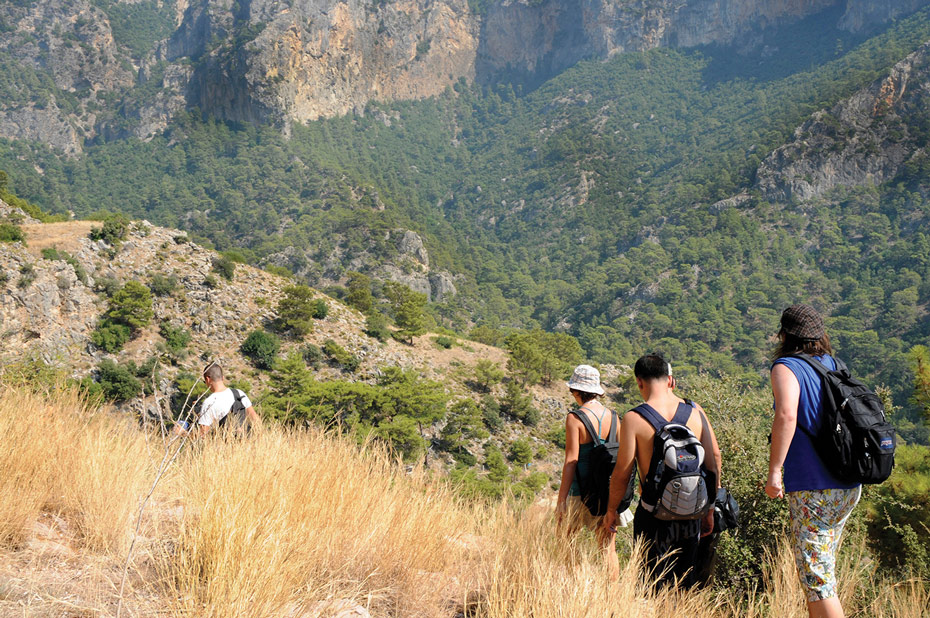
<point x="619" y="201"/>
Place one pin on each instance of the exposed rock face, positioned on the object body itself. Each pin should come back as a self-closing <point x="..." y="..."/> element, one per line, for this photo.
<point x="303" y="59"/>
<point x="862" y="14"/>
<point x="866" y="138"/>
<point x="284" y="61"/>
<point x="544" y="38"/>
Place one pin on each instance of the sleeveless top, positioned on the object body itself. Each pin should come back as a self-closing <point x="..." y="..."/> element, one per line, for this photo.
<point x="584" y="458"/>
<point x="804" y="470"/>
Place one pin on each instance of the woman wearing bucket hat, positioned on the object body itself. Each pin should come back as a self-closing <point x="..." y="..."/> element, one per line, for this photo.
<point x="818" y="503"/>
<point x="585" y="387"/>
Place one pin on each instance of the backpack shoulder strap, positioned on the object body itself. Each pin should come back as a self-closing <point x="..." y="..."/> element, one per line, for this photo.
<point x="652" y="417"/>
<point x="819" y="367"/>
<point x="237" y="394"/>
<point x="612" y="434"/>
<point x="683" y="413"/>
<point x="588" y="426"/>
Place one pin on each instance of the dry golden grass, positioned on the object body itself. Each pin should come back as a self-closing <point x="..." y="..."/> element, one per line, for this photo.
<point x="64" y="235"/>
<point x="297" y="523"/>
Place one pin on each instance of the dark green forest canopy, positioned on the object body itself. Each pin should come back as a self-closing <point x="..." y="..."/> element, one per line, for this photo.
<point x="587" y="204"/>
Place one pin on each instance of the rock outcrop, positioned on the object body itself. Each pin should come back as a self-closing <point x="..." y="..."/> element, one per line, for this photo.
<point x="283" y="61"/>
<point x="864" y="139"/>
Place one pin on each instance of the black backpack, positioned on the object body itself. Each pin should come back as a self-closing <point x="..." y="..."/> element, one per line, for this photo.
<point x="675" y="488"/>
<point x="236" y="413"/>
<point x="855" y="441"/>
<point x="595" y="486"/>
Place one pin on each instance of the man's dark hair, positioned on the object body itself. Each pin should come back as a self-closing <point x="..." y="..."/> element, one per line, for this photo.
<point x="585" y="395"/>
<point x="651" y="367"/>
<point x="213" y="371"/>
<point x="789" y="344"/>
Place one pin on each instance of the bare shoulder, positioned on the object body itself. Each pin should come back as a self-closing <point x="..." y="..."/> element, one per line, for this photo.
<point x="633" y="422"/>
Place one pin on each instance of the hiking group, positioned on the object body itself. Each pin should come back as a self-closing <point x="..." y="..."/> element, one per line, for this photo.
<point x="829" y="435"/>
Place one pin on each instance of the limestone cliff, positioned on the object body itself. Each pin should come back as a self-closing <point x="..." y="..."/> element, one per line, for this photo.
<point x="864" y="139"/>
<point x="285" y="61"/>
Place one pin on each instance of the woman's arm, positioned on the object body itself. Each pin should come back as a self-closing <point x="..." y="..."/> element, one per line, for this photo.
<point x="572" y="439"/>
<point x="787" y="392"/>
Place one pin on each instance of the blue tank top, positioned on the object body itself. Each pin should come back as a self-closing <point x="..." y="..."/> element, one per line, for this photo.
<point x="804" y="470"/>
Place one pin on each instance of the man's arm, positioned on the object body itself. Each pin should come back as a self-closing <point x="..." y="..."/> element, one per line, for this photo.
<point x="620" y="479"/>
<point x="254" y="419"/>
<point x="787" y="392"/>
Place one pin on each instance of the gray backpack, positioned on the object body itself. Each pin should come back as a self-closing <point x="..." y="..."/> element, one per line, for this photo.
<point x="675" y="487"/>
<point x="236" y="417"/>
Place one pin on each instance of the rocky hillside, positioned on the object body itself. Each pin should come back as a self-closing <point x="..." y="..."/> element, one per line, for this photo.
<point x="79" y="70"/>
<point x="868" y="138"/>
<point x="54" y="293"/>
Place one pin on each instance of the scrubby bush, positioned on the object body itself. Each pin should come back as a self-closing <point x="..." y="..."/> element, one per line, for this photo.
<point x="491" y="414"/>
<point x="312" y="355"/>
<point x="110" y="336"/>
<point x="114" y="230"/>
<point x="261" y="348"/>
<point x="358" y="292"/>
<point x="117" y="383"/>
<point x="176" y="337"/>
<point x="131" y="305"/>
<point x="162" y="284"/>
<point x="519" y="405"/>
<point x="487" y="335"/>
<point x="320" y="309"/>
<point x="443" y="341"/>
<point x="538" y="356"/>
<point x="11" y="233"/>
<point x="521" y="452"/>
<point x="224" y="267"/>
<point x="487" y="374"/>
<point x="376" y="326"/>
<point x="296" y="311"/>
<point x="106" y="285"/>
<point x="340" y="356"/>
<point x="210" y="281"/>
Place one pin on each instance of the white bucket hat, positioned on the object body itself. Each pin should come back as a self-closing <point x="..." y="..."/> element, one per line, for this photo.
<point x="586" y="378"/>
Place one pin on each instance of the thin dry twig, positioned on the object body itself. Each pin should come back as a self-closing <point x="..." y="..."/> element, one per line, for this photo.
<point x="163" y="467"/>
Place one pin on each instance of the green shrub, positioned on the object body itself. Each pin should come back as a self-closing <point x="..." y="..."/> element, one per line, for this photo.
<point x="106" y="285"/>
<point x="224" y="267"/>
<point x="11" y="233"/>
<point x="358" y="292"/>
<point x="899" y="514"/>
<point x="176" y="337"/>
<point x="296" y="311"/>
<point x="132" y="305"/>
<point x="312" y="355"/>
<point x="339" y="355"/>
<point x="4" y="277"/>
<point x="519" y="405"/>
<point x="444" y="341"/>
<point x="210" y="282"/>
<point x="110" y="336"/>
<point x="320" y="309"/>
<point x="487" y="374"/>
<point x="376" y="326"/>
<point x="261" y="348"/>
<point x="491" y="414"/>
<point x="521" y="452"/>
<point x="162" y="284"/>
<point x="114" y="230"/>
<point x="280" y="271"/>
<point x="116" y="382"/>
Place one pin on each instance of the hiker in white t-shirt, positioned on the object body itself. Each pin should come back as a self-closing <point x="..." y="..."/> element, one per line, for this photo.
<point x="220" y="403"/>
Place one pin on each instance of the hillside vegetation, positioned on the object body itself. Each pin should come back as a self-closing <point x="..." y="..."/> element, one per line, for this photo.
<point x="302" y="523"/>
<point x="596" y="204"/>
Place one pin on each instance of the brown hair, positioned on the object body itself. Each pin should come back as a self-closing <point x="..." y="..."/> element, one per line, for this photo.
<point x="789" y="344"/>
<point x="585" y="395"/>
<point x="213" y="371"/>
